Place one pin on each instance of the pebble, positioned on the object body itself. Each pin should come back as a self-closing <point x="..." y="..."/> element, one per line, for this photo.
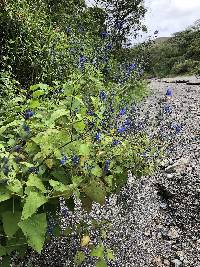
<point x="177" y="263"/>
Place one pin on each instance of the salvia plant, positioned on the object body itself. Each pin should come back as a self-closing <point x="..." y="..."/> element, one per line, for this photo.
<point x="69" y="124"/>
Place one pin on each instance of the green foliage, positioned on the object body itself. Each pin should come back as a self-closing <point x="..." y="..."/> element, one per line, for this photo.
<point x="177" y="56"/>
<point x="34" y="229"/>
<point x="37" y="170"/>
<point x="59" y="117"/>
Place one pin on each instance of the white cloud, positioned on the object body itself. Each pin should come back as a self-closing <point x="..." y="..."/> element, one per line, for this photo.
<point x="169" y="16"/>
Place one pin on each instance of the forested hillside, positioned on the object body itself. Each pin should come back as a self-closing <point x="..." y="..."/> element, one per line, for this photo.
<point x="176" y="56"/>
<point x="170" y="56"/>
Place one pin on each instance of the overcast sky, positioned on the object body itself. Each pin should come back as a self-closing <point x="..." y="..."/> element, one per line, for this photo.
<point x="169" y="16"/>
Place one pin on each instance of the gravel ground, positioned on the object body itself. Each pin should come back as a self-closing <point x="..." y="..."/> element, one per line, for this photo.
<point x="156" y="220"/>
<point x="161" y="218"/>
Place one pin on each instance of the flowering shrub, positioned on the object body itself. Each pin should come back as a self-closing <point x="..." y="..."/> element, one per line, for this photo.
<point x="69" y="127"/>
<point x="64" y="140"/>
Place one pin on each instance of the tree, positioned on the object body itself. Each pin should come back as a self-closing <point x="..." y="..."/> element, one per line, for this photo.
<point x="123" y="18"/>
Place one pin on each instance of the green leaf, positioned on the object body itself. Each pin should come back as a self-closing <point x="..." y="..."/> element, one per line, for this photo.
<point x="101" y="263"/>
<point x="57" y="231"/>
<point x="109" y="254"/>
<point x="38" y="93"/>
<point x="33" y="201"/>
<point x="97" y="252"/>
<point x="2" y="251"/>
<point x="79" y="126"/>
<point x="10" y="222"/>
<point x="4" y="194"/>
<point x="16" y="187"/>
<point x="109" y="180"/>
<point x="17" y="243"/>
<point x="59" y="187"/>
<point x="34" y="103"/>
<point x="40" y="85"/>
<point x="97" y="171"/>
<point x="84" y="150"/>
<point x="86" y="202"/>
<point x="95" y="191"/>
<point x="6" y="261"/>
<point x="79" y="257"/>
<point x="35" y="230"/>
<point x="34" y="181"/>
<point x="58" y="113"/>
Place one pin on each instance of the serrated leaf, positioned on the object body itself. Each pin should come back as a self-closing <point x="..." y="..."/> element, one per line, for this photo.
<point x="109" y="254"/>
<point x="40" y="85"/>
<point x="16" y="187"/>
<point x="34" y="229"/>
<point x="95" y="191"/>
<point x="101" y="263"/>
<point x="59" y="187"/>
<point x="97" y="171"/>
<point x="97" y="252"/>
<point x="33" y="201"/>
<point x="34" y="103"/>
<point x="10" y="222"/>
<point x="4" y="194"/>
<point x="79" y="257"/>
<point x="109" y="180"/>
<point x="34" y="181"/>
<point x="58" y="113"/>
<point x="84" y="150"/>
<point x="2" y="251"/>
<point x="38" y="93"/>
<point x="79" y="126"/>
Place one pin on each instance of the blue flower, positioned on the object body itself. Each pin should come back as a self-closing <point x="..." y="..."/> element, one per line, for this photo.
<point x="75" y="160"/>
<point x="28" y="114"/>
<point x="97" y="136"/>
<point x="119" y="25"/>
<point x="102" y="95"/>
<point x="6" y="170"/>
<point x="176" y="127"/>
<point x="127" y="122"/>
<point x="122" y="112"/>
<point x="5" y="160"/>
<point x="63" y="160"/>
<point x="33" y="170"/>
<point x="90" y="124"/>
<point x="169" y="92"/>
<point x="107" y="165"/>
<point x="90" y="112"/>
<point x="26" y="128"/>
<point x="104" y="34"/>
<point x="132" y="66"/>
<point x="116" y="142"/>
<point x="109" y="47"/>
<point x="167" y="109"/>
<point x="121" y="130"/>
<point x="16" y="148"/>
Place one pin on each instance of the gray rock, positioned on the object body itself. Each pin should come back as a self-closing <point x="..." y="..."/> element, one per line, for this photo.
<point x="177" y="263"/>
